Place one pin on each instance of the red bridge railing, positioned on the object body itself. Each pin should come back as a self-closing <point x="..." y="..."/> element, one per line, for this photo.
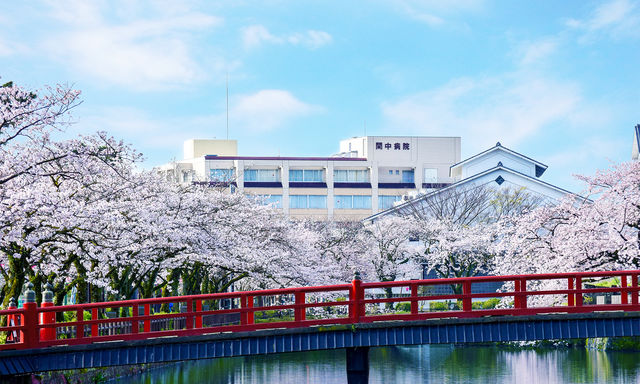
<point x="37" y="327"/>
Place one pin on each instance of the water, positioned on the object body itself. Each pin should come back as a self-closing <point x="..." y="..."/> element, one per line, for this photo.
<point x="445" y="364"/>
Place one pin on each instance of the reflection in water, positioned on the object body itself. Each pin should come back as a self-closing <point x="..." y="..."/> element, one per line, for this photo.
<point x="421" y="364"/>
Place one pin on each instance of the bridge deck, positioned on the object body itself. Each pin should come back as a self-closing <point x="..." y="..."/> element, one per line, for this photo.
<point x="312" y="318"/>
<point x="453" y="330"/>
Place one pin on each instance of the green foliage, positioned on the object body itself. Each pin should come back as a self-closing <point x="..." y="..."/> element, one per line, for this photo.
<point x="403" y="307"/>
<point x="69" y="316"/>
<point x="457" y="305"/>
<point x="444" y="306"/>
<point x="491" y="303"/>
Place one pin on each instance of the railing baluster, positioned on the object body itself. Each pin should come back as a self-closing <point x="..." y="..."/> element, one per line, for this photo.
<point x="94" y="327"/>
<point x="578" y="291"/>
<point x="571" y="299"/>
<point x="250" y="313"/>
<point x="624" y="294"/>
<point x="147" y="322"/>
<point x="79" y="327"/>
<point x="414" y="300"/>
<point x="243" y="315"/>
<point x="189" y="318"/>
<point x="135" y="327"/>
<point x="198" y="317"/>
<point x="299" y="312"/>
<point x="31" y="336"/>
<point x="466" y="301"/>
<point x="634" y="294"/>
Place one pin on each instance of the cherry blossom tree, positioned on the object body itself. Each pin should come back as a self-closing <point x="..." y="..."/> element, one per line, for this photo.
<point x="390" y="254"/>
<point x="457" y="227"/>
<point x="578" y="233"/>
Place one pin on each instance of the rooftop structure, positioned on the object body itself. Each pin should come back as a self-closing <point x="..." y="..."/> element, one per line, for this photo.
<point x="368" y="175"/>
<point x="497" y="167"/>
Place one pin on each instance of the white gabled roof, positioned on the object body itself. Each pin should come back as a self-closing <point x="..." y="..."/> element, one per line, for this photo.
<point x="539" y="167"/>
<point x="489" y="176"/>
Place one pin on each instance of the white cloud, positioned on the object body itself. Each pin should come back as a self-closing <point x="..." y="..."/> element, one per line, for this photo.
<point x="436" y="13"/>
<point x="5" y="48"/>
<point x="537" y="51"/>
<point x="254" y="36"/>
<point x="161" y="137"/>
<point x="594" y="147"/>
<point x="144" y="53"/>
<point x="616" y="18"/>
<point x="509" y="108"/>
<point x="268" y="109"/>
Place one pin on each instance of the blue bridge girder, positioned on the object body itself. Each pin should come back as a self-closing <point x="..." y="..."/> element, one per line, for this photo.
<point x="269" y="341"/>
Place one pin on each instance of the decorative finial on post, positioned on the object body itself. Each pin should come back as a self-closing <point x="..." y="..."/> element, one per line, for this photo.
<point x="356" y="276"/>
<point x="47" y="295"/>
<point x="30" y="295"/>
<point x="12" y="303"/>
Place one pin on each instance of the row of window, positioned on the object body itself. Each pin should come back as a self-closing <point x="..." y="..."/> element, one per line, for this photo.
<point x="316" y="175"/>
<point x="295" y="175"/>
<point x="320" y="201"/>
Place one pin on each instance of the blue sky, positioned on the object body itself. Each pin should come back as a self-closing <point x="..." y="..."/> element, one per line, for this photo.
<point x="555" y="80"/>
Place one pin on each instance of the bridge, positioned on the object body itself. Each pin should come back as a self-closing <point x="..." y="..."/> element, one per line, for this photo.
<point x="353" y="317"/>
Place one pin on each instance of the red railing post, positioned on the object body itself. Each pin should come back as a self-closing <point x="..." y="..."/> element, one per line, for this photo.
<point x="12" y="321"/>
<point x="244" y="319"/>
<point x="466" y="301"/>
<point x="198" y="317"/>
<point x="135" y="326"/>
<point x="147" y="322"/>
<point x="520" y="294"/>
<point x="414" y="299"/>
<point x="94" y="327"/>
<point x="578" y="291"/>
<point x="250" y="313"/>
<point x="189" y="318"/>
<point x="624" y="294"/>
<point x="571" y="297"/>
<point x="634" y="293"/>
<point x="31" y="329"/>
<point x="355" y="297"/>
<point x="300" y="312"/>
<point x="47" y="317"/>
<point x="79" y="327"/>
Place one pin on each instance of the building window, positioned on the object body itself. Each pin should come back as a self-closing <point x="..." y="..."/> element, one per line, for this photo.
<point x="274" y="200"/>
<point x="407" y="176"/>
<point x="310" y="175"/>
<point x="386" y="202"/>
<point x="430" y="175"/>
<point x="187" y="176"/>
<point x="352" y="202"/>
<point x="262" y="175"/>
<point x="224" y="175"/>
<point x="308" y="201"/>
<point x="353" y="176"/>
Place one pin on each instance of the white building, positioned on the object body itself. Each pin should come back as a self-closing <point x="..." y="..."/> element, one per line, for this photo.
<point x="369" y="174"/>
<point x="498" y="167"/>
